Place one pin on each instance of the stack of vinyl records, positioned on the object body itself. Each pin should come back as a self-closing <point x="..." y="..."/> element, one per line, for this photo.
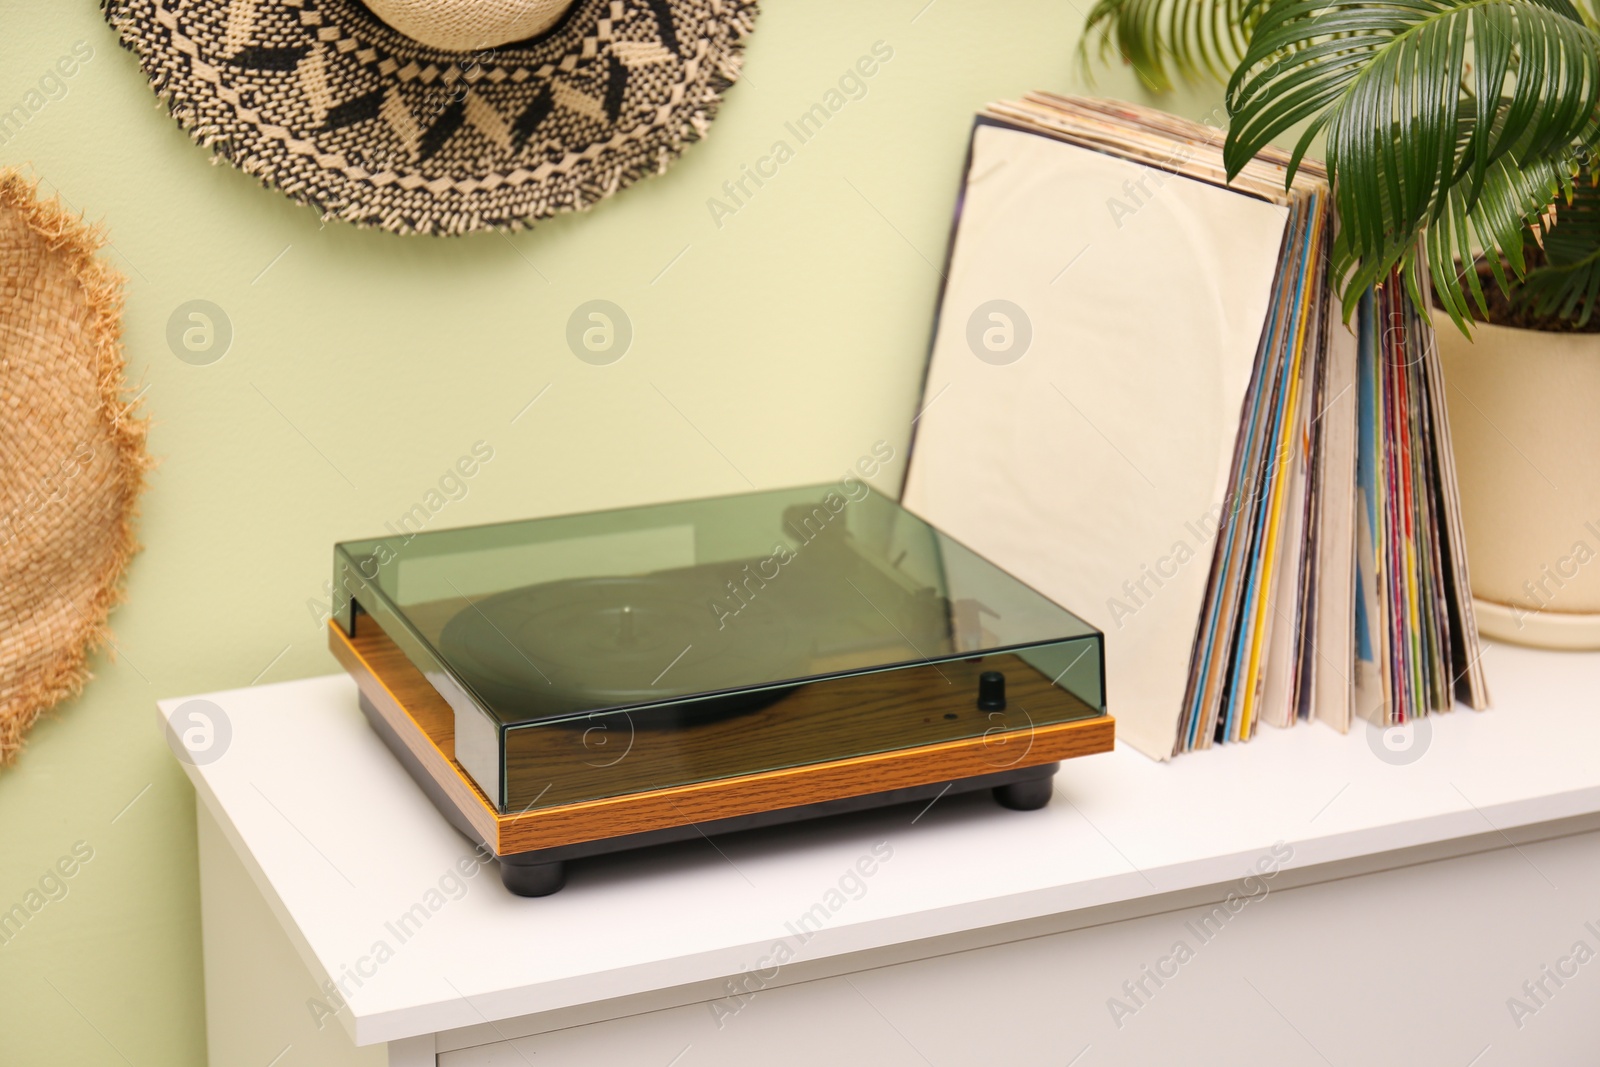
<point x="1143" y="398"/>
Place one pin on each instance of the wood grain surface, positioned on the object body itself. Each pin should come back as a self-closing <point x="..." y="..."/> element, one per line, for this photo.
<point x="426" y="725"/>
<point x="609" y="754"/>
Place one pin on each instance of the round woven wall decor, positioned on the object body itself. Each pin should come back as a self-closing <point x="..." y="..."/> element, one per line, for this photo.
<point x="72" y="455"/>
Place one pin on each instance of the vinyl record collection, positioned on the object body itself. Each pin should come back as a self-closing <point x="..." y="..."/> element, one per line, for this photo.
<point x="1253" y="497"/>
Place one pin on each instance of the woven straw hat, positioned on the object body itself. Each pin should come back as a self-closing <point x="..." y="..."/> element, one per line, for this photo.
<point x="72" y="456"/>
<point x="441" y="116"/>
<point x="463" y="25"/>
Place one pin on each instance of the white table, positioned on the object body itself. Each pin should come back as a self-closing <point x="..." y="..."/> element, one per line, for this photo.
<point x="1408" y="902"/>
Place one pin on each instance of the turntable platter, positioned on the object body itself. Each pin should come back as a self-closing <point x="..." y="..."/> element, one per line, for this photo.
<point x="590" y="644"/>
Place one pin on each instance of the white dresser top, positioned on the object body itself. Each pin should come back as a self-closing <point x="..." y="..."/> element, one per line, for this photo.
<point x="342" y="844"/>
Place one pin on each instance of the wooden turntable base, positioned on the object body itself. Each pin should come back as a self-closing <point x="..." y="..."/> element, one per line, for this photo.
<point x="533" y="844"/>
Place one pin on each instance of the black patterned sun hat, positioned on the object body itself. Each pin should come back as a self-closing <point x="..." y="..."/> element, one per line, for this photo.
<point x="441" y="116"/>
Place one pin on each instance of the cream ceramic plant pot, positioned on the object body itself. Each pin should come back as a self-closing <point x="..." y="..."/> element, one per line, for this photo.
<point x="1526" y="431"/>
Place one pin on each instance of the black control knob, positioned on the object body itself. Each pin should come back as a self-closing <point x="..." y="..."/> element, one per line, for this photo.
<point x="991" y="691"/>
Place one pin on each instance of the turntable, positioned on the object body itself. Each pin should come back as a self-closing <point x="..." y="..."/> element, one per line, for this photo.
<point x="569" y="686"/>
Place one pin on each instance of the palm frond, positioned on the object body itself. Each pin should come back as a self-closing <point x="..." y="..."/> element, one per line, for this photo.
<point x="1497" y="216"/>
<point x="1169" y="40"/>
<point x="1567" y="286"/>
<point x="1418" y="136"/>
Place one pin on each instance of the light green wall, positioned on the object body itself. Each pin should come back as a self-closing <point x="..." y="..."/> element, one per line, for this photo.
<point x="792" y="338"/>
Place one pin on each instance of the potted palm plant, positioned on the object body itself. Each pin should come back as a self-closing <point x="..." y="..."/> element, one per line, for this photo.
<point x="1459" y="138"/>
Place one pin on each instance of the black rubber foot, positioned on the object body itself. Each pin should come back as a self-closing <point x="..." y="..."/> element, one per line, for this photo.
<point x="1025" y="796"/>
<point x="532" y="879"/>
